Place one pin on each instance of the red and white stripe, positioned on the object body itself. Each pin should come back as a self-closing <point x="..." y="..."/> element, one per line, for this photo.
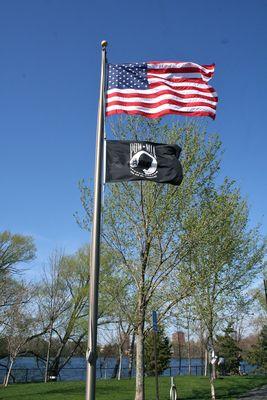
<point x="174" y="88"/>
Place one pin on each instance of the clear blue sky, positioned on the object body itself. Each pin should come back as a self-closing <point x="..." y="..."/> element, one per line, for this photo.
<point x="49" y="84"/>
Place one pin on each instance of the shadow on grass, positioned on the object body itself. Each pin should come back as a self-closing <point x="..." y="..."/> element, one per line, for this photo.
<point x="34" y="390"/>
<point x="77" y="391"/>
<point x="190" y="389"/>
<point x="232" y="390"/>
<point x="199" y="395"/>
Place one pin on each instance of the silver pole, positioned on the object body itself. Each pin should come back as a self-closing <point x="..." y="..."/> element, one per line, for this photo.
<point x="95" y="243"/>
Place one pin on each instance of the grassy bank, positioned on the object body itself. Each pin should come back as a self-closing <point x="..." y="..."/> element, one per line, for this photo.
<point x="193" y="388"/>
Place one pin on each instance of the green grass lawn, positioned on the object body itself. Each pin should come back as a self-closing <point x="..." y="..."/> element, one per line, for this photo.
<point x="196" y="388"/>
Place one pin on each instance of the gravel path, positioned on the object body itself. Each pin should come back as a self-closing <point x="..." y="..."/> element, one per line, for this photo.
<point x="256" y="394"/>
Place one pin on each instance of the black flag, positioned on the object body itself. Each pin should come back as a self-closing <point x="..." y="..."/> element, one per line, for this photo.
<point x="134" y="161"/>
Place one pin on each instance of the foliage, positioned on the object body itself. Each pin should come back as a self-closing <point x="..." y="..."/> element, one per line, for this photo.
<point x="228" y="257"/>
<point x="14" y="249"/>
<point x="258" y="353"/>
<point x="259" y="307"/>
<point x="227" y="347"/>
<point x="163" y="347"/>
<point x="20" y="325"/>
<point x="63" y="302"/>
<point x="172" y="242"/>
<point x="146" y="223"/>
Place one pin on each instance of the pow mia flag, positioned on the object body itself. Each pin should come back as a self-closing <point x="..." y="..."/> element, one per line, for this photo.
<point x="138" y="160"/>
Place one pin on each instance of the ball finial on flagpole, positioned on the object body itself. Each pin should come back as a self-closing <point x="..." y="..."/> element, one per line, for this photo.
<point x="104" y="44"/>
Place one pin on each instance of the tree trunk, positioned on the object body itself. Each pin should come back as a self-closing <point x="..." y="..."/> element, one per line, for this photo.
<point x="188" y="350"/>
<point x="48" y="356"/>
<point x="189" y="358"/>
<point x="179" y="355"/>
<point x="202" y="350"/>
<point x="9" y="371"/>
<point x="202" y="357"/>
<point x="131" y="357"/>
<point x="212" y="372"/>
<point x="206" y="363"/>
<point x="55" y="367"/>
<point x="141" y="307"/>
<point x="120" y="365"/>
<point x="212" y="389"/>
<point x="140" y="384"/>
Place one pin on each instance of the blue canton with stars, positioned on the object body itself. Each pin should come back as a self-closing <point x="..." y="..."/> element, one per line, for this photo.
<point x="127" y="76"/>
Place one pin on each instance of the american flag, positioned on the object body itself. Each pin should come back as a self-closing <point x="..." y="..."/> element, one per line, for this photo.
<point x="155" y="89"/>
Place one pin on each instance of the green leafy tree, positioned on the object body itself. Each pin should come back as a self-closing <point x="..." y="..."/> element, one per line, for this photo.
<point x="227" y="347"/>
<point x="163" y="352"/>
<point x="228" y="258"/>
<point x="146" y="223"/>
<point x="258" y="353"/>
<point x="168" y="238"/>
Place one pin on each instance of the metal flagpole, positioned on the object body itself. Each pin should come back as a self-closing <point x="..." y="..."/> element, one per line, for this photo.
<point x="95" y="243"/>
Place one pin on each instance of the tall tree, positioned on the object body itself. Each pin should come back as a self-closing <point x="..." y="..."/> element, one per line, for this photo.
<point x="229" y="257"/>
<point x="146" y="223"/>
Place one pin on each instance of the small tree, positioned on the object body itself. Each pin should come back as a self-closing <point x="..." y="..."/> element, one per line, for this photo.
<point x="63" y="305"/>
<point x="163" y="352"/>
<point x="53" y="299"/>
<point x="228" y="349"/>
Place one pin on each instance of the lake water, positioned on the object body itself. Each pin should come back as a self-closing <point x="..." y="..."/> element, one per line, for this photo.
<point x="26" y="369"/>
